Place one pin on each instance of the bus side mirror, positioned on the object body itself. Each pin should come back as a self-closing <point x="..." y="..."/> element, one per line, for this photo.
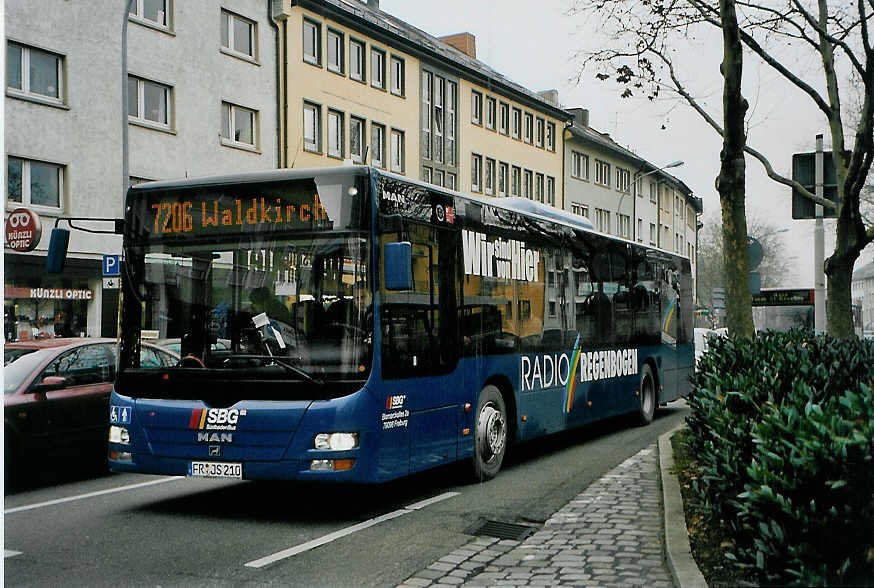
<point x="398" y="266"/>
<point x="57" y="255"/>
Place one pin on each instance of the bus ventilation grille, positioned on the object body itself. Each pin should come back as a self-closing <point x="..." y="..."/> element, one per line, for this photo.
<point x="500" y="530"/>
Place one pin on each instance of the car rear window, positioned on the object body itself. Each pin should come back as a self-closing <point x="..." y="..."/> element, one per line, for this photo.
<point x="16" y="372"/>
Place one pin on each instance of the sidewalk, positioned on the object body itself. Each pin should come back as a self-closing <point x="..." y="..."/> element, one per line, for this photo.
<point x="611" y="534"/>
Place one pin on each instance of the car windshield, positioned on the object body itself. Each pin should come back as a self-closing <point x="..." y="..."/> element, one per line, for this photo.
<point x="16" y="372"/>
<point x="302" y="301"/>
<point x="11" y="354"/>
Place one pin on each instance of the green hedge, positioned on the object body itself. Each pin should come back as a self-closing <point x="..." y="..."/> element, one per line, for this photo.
<point x="782" y="428"/>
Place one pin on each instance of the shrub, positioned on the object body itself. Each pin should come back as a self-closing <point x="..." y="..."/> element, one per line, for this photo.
<point x="782" y="427"/>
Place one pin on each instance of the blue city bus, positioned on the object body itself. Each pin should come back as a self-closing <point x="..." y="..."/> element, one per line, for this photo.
<point x="352" y="325"/>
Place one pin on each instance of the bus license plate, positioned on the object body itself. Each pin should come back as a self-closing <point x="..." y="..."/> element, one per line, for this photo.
<point x="211" y="469"/>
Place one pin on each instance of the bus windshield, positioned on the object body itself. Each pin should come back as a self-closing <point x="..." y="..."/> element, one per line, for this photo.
<point x="276" y="303"/>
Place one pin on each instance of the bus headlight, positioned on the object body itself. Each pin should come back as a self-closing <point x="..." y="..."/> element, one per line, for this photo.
<point x="336" y="441"/>
<point x="119" y="435"/>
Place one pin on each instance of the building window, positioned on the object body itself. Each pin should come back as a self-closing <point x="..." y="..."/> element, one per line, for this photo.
<point x="336" y="136"/>
<point x="312" y="127"/>
<point x="653" y="192"/>
<point x="550" y="136"/>
<point x="529" y="127"/>
<point x="538" y="187"/>
<point x="426" y="174"/>
<point x="336" y="52"/>
<point x="377" y="68"/>
<point x="356" y="139"/>
<point x="623" y="180"/>
<point x="517" y="123"/>
<point x="153" y="12"/>
<point x="312" y="42"/>
<point x="398" y="85"/>
<point x="504" y="118"/>
<point x="451" y="122"/>
<point x="397" y="151"/>
<point x="427" y="91"/>
<point x="476" y="172"/>
<point x="528" y="184"/>
<point x="476" y="107"/>
<point x="624" y="225"/>
<point x="34" y="73"/>
<point x="34" y="183"/>
<point x="439" y="114"/>
<point x="652" y="234"/>
<point x="580" y="165"/>
<point x="540" y="136"/>
<point x="238" y="34"/>
<point x="579" y="209"/>
<point x="490" y="177"/>
<point x="640" y="230"/>
<point x="438" y="177"/>
<point x="148" y="102"/>
<point x="602" y="173"/>
<point x="602" y="220"/>
<point x="356" y="60"/>
<point x="451" y="181"/>
<point x="516" y="181"/>
<point x="491" y="112"/>
<point x="503" y="173"/>
<point x="239" y="125"/>
<point x="550" y="190"/>
<point x="377" y="145"/>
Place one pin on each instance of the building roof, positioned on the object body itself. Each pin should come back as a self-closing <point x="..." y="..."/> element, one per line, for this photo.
<point x="864" y="272"/>
<point x="588" y="134"/>
<point x="417" y="41"/>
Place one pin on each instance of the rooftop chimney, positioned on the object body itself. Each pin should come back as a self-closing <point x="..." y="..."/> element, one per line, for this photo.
<point x="464" y="42"/>
<point x="581" y="116"/>
<point x="551" y="96"/>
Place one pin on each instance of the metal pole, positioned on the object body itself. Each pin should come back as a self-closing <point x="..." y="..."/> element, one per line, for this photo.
<point x="819" y="245"/>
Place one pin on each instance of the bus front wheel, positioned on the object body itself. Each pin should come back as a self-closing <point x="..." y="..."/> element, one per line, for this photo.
<point x="490" y="437"/>
<point x="647" y="396"/>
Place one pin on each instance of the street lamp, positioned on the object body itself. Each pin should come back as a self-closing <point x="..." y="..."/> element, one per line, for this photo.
<point x="639" y="176"/>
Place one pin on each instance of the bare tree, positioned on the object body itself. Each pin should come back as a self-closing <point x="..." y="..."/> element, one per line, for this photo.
<point x="641" y="61"/>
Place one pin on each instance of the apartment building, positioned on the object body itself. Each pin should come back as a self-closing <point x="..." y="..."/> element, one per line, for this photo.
<point x="358" y="84"/>
<point x="202" y="100"/>
<point x="625" y="195"/>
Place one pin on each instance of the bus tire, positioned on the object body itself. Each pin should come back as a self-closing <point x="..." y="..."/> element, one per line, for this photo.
<point x="647" y="396"/>
<point x="490" y="434"/>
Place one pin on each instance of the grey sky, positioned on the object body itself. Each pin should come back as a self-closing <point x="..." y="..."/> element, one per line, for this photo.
<point x="533" y="43"/>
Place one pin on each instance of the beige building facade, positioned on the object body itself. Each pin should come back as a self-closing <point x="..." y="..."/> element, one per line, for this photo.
<point x="358" y="85"/>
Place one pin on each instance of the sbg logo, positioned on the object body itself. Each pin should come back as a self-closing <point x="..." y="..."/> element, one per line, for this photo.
<point x="395" y="402"/>
<point x="222" y="419"/>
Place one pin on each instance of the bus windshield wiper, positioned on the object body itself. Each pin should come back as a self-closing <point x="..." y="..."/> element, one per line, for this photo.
<point x="304" y="375"/>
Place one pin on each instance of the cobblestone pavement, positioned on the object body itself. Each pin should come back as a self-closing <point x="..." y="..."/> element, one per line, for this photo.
<point x="609" y="535"/>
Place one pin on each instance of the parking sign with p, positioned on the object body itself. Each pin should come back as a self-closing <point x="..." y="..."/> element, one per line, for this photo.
<point x="111" y="265"/>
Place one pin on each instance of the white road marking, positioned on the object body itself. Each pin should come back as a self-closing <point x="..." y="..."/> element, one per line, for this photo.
<point x="10" y="553"/>
<point x="9" y="511"/>
<point x="291" y="551"/>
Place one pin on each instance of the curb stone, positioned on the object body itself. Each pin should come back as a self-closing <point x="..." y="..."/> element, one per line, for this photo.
<point x="678" y="552"/>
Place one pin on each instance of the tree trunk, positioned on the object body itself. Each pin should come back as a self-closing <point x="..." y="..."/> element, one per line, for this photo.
<point x="731" y="182"/>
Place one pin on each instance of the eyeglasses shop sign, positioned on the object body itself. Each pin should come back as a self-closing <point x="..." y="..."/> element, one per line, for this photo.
<point x="23" y="230"/>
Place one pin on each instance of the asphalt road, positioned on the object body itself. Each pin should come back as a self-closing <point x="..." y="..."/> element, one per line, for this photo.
<point x="132" y="530"/>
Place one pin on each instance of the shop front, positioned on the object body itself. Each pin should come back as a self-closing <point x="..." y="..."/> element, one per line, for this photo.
<point x="40" y="305"/>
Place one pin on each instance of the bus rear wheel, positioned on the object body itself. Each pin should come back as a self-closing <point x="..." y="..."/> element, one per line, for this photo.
<point x="490" y="437"/>
<point x="647" y="396"/>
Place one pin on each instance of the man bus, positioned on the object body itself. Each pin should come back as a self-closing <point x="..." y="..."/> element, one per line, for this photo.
<point x="373" y="327"/>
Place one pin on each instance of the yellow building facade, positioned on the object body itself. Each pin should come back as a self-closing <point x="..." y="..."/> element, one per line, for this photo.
<point x="356" y="84"/>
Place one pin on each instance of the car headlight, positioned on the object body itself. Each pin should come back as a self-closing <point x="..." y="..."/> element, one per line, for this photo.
<point x="336" y="441"/>
<point x="119" y="435"/>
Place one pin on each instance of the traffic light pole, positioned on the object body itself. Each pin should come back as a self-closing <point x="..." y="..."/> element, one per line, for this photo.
<point x="819" y="245"/>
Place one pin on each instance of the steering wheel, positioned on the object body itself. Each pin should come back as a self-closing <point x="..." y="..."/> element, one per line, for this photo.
<point x="191" y="361"/>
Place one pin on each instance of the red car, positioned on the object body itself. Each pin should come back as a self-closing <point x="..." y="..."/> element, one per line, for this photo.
<point x="56" y="396"/>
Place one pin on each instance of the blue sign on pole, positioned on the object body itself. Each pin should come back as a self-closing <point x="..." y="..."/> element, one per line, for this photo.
<point x="112" y="265"/>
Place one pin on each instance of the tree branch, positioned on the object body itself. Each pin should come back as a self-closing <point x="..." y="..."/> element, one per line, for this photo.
<point x="824" y="34"/>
